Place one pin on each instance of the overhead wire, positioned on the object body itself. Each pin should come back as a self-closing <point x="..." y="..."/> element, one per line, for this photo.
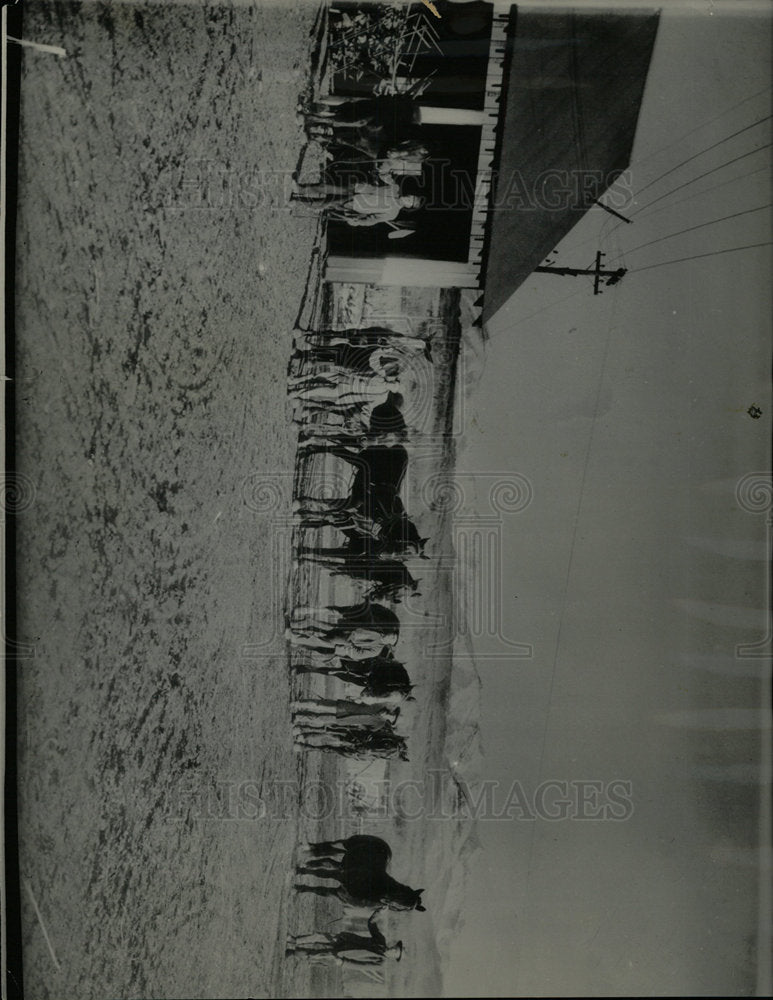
<point x="700" y="225"/>
<point x="698" y="256"/>
<point x="707" y="173"/>
<point x="703" y="152"/>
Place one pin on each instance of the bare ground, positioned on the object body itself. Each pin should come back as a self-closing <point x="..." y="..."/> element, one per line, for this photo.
<point x="160" y="275"/>
<point x="157" y="354"/>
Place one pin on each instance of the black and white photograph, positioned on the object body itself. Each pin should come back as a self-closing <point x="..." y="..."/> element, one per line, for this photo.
<point x="387" y="504"/>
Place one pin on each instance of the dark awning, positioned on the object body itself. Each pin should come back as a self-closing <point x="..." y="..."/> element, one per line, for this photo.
<point x="574" y="81"/>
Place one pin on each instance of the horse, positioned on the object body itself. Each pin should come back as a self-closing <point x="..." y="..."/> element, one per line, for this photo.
<point x="378" y="676"/>
<point x="365" y="887"/>
<point x="379" y="472"/>
<point x="343" y="620"/>
<point x="380" y="534"/>
<point x="375" y="495"/>
<point x="361" y="848"/>
<point x="354" y="741"/>
<point x="366" y="615"/>
<point x="361" y="874"/>
<point x="383" y="578"/>
<point x="398" y="536"/>
<point x="378" y="477"/>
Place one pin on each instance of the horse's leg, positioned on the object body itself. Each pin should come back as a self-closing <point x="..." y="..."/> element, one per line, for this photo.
<point x="334" y="871"/>
<point x="316" y="620"/>
<point x="318" y="890"/>
<point x="311" y="519"/>
<point x="315" y="706"/>
<point x="312" y="737"/>
<point x="313" y="642"/>
<point x="341" y="520"/>
<point x="313" y="668"/>
<point x="318" y="865"/>
<point x="311" y="508"/>
<point x="308" y="720"/>
<point x="327" y="846"/>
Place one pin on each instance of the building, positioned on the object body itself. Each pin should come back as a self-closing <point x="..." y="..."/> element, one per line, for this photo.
<point x="525" y="140"/>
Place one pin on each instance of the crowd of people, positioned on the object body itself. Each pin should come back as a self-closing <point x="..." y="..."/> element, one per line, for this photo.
<point x="370" y="177"/>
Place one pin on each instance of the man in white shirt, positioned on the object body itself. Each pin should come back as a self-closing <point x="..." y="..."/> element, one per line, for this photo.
<point x="368" y="205"/>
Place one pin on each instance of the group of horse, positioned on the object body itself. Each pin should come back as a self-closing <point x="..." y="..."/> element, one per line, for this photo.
<point x="354" y="643"/>
<point x="352" y="392"/>
<point x="348" y="391"/>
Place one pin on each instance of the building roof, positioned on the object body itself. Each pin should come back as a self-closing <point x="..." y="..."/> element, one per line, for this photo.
<point x="573" y="86"/>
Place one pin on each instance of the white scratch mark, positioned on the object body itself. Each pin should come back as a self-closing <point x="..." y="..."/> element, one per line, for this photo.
<point x="42" y="926"/>
<point x="55" y="50"/>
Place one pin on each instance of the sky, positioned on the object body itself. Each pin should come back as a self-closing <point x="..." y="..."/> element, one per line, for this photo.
<point x="635" y="571"/>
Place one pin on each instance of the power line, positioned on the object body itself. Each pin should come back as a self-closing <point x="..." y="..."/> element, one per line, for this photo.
<point x="714" y="187"/>
<point x="681" y="139"/>
<point x="697" y="128"/>
<point x="714" y="253"/>
<point x="704" y="151"/>
<point x="644" y="212"/>
<point x="700" y="225"/>
<point x="701" y="176"/>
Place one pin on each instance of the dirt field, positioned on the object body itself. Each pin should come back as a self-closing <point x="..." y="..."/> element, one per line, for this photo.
<point x="159" y="277"/>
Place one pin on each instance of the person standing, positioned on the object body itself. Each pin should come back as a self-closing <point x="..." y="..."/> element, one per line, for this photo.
<point x="347" y="946"/>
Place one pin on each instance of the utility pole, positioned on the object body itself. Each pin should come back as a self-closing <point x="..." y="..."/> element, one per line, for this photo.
<point x="613" y="277"/>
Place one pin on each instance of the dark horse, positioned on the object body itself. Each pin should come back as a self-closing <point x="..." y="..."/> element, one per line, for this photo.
<point x="378" y="676"/>
<point x="350" y="618"/>
<point x="398" y="536"/>
<point x="361" y="873"/>
<point x="375" y="495"/>
<point x="379" y="473"/>
<point x="386" y="579"/>
<point x="362" y="848"/>
<point x="366" y="614"/>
